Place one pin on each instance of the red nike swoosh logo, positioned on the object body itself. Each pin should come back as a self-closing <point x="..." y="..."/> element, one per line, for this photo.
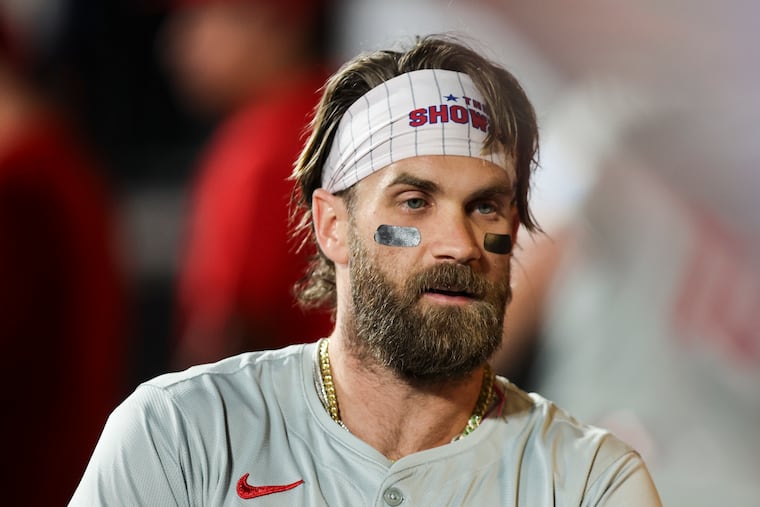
<point x="246" y="491"/>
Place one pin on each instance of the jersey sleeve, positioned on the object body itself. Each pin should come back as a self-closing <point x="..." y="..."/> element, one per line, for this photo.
<point x="137" y="460"/>
<point x="623" y="483"/>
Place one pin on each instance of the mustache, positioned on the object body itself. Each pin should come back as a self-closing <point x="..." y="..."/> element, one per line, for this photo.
<point x="449" y="278"/>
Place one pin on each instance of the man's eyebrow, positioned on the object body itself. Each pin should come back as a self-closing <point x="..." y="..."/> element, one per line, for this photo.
<point x="413" y="181"/>
<point x="490" y="192"/>
<point x="493" y="191"/>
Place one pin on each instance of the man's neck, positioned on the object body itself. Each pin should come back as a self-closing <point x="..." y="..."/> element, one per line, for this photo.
<point x="393" y="416"/>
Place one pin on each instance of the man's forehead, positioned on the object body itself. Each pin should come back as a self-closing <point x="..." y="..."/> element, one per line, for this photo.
<point x="437" y="173"/>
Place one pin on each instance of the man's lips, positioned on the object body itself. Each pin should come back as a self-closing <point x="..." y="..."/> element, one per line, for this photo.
<point x="450" y="293"/>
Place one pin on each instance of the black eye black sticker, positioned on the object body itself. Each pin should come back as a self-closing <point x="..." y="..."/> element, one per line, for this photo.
<point x="498" y="243"/>
<point x="396" y="235"/>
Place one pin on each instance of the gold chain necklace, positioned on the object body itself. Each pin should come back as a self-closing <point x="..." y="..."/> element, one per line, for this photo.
<point x="485" y="398"/>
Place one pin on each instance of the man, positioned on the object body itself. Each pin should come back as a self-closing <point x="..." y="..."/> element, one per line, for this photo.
<point x="414" y="182"/>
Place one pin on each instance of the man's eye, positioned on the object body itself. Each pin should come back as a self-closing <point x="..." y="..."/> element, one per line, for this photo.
<point x="415" y="203"/>
<point x="485" y="208"/>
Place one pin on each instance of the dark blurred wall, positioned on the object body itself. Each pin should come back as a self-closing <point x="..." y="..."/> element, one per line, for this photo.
<point x="110" y="77"/>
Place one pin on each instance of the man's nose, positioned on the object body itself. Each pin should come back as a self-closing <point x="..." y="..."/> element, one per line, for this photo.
<point x="455" y="239"/>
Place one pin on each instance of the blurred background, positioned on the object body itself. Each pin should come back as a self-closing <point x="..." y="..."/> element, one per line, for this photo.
<point x="144" y="147"/>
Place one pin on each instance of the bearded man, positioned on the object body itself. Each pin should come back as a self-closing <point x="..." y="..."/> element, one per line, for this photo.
<point x="413" y="185"/>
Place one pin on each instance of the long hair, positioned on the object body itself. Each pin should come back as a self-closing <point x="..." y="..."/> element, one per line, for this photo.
<point x="513" y="129"/>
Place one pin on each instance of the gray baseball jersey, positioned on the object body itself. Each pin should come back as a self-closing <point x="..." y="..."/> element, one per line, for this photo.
<point x="251" y="430"/>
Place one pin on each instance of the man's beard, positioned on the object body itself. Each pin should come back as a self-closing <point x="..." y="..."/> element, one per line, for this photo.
<point x="389" y="326"/>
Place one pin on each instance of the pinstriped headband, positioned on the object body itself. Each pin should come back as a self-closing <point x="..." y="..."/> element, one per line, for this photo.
<point x="424" y="112"/>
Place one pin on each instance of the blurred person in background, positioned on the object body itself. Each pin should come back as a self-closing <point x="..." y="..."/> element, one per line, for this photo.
<point x="62" y="305"/>
<point x="257" y="64"/>
<point x="644" y="298"/>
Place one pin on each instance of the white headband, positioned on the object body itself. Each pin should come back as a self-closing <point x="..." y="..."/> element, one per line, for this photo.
<point x="425" y="112"/>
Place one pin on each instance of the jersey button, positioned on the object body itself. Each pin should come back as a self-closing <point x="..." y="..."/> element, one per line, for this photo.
<point x="393" y="497"/>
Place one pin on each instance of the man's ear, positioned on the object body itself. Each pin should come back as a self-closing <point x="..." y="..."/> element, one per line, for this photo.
<point x="330" y="225"/>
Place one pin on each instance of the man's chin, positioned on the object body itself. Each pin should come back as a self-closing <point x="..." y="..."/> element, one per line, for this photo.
<point x="455" y="358"/>
<point x="447" y="311"/>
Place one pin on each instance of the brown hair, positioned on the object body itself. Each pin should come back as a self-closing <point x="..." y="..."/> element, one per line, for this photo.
<point x="513" y="128"/>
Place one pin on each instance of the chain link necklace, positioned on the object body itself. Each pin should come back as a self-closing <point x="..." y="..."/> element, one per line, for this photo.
<point x="330" y="398"/>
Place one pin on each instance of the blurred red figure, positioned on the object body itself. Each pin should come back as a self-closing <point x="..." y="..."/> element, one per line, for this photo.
<point x="254" y="62"/>
<point x="62" y="310"/>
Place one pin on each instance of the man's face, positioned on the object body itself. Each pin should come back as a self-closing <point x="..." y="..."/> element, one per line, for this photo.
<point x="435" y="310"/>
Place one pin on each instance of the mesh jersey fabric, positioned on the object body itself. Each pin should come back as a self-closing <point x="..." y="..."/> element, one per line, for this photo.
<point x="190" y="438"/>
